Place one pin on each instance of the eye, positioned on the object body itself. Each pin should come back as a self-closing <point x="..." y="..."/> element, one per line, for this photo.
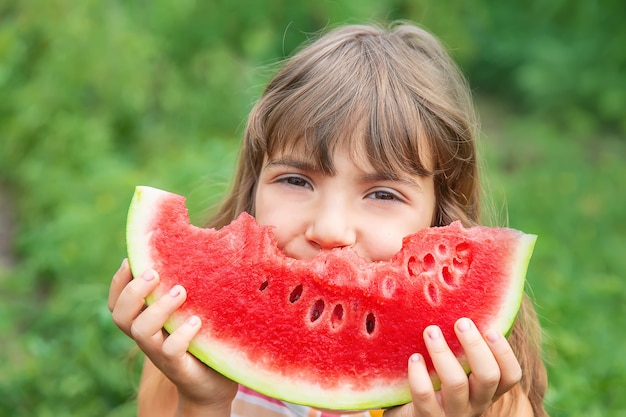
<point x="296" y="181"/>
<point x="384" y="195"/>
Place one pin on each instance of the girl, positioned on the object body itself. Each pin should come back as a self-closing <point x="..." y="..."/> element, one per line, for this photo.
<point x="363" y="137"/>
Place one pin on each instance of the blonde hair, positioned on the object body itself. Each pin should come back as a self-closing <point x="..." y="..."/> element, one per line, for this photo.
<point x="400" y="87"/>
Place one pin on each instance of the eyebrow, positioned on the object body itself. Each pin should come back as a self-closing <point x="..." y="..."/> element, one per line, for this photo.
<point x="294" y="163"/>
<point x="366" y="177"/>
<point x="391" y="177"/>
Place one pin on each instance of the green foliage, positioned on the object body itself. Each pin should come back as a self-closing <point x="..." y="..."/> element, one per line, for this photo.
<point x="567" y="189"/>
<point x="562" y="60"/>
<point x="97" y="97"/>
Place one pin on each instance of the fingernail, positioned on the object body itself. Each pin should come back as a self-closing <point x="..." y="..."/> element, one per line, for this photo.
<point x="123" y="263"/>
<point x="174" y="291"/>
<point x="148" y="276"/>
<point x="416" y="357"/>
<point x="492" y="336"/>
<point x="193" y="320"/>
<point x="434" y="333"/>
<point x="463" y="325"/>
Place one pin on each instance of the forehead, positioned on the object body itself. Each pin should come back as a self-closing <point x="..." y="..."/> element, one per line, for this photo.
<point x="323" y="157"/>
<point x="368" y="151"/>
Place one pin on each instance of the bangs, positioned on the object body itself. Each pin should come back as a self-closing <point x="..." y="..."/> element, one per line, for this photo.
<point x="348" y="96"/>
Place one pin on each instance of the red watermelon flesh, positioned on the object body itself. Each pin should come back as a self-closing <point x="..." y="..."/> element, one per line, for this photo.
<point x="335" y="331"/>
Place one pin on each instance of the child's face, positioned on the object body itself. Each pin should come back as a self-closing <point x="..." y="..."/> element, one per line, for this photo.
<point x="357" y="207"/>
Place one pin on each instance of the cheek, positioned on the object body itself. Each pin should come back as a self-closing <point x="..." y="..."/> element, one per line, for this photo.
<point x="381" y="247"/>
<point x="268" y="215"/>
<point x="263" y="207"/>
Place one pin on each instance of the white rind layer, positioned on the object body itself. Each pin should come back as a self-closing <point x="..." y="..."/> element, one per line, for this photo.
<point x="143" y="207"/>
<point x="513" y="298"/>
<point x="379" y="395"/>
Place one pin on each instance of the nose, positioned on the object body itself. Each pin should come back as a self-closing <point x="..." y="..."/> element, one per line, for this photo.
<point x="331" y="226"/>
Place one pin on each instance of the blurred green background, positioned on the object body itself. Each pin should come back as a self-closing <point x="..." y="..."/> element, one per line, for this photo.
<point x="99" y="96"/>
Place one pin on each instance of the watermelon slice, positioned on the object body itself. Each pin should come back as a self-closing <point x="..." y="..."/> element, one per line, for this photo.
<point x="335" y="331"/>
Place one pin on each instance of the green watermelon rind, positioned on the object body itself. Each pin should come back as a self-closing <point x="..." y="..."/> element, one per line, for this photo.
<point x="288" y="389"/>
<point x="238" y="368"/>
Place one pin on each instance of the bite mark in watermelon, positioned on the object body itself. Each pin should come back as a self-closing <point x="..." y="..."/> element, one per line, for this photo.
<point x="335" y="331"/>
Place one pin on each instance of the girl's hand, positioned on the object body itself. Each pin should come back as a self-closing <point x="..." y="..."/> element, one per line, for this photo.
<point x="196" y="382"/>
<point x="494" y="371"/>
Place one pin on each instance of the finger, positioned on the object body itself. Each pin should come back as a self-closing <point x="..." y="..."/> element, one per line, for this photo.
<point x="121" y="278"/>
<point x="510" y="369"/>
<point x="177" y="343"/>
<point x="454" y="382"/>
<point x="425" y="402"/>
<point x="132" y="299"/>
<point x="485" y="372"/>
<point x="147" y="327"/>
